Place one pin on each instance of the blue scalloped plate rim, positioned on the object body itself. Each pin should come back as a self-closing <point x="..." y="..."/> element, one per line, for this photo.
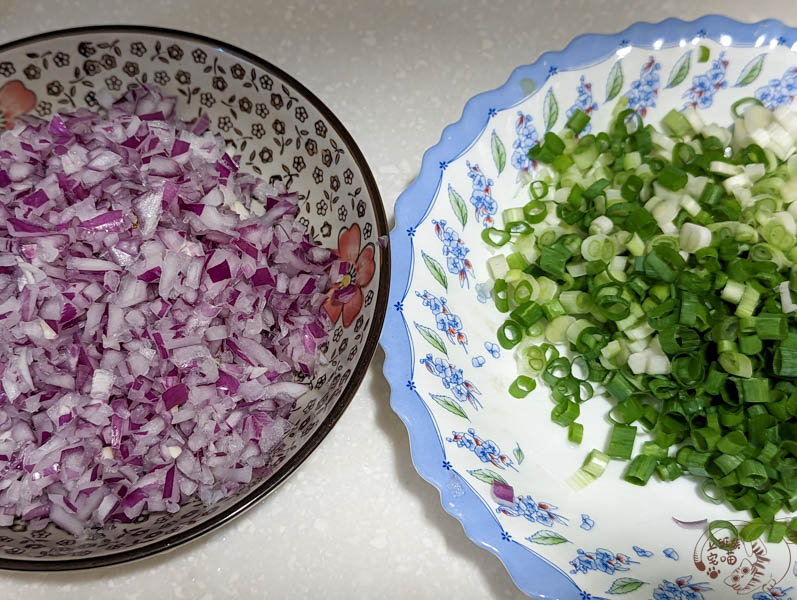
<point x="533" y="574"/>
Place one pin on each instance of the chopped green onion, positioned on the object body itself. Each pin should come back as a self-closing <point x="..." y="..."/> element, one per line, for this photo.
<point x="640" y="469"/>
<point x="538" y="189"/>
<point x="753" y="390"/>
<point x="718" y="526"/>
<point x="575" y="432"/>
<point x="668" y="470"/>
<point x="554" y="143"/>
<point x="565" y="413"/>
<point x="594" y="466"/>
<point x="732" y="443"/>
<point x="500" y="295"/>
<point x="676" y="124"/>
<point x="752" y="473"/>
<point x="771" y="327"/>
<point x="777" y="531"/>
<point x="527" y="313"/>
<point x="665" y="264"/>
<point x="712" y="492"/>
<point x="621" y="442"/>
<point x="578" y="121"/>
<point x="727" y="463"/>
<point x="748" y="301"/>
<point x="784" y="362"/>
<point x="753" y="530"/>
<point x="672" y="178"/>
<point x="742" y="102"/>
<point x="553" y="309"/>
<point x="553" y="260"/>
<point x="495" y="237"/>
<point x="521" y="387"/>
<point x="535" y="211"/>
<point x="736" y="364"/>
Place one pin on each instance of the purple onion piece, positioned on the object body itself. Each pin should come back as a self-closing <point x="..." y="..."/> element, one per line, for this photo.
<point x="503" y="494"/>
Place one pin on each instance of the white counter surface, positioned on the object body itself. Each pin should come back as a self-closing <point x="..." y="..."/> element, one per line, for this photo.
<point x="355" y="521"/>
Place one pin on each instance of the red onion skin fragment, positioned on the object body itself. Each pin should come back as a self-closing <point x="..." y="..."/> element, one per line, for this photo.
<point x="125" y="237"/>
<point x="701" y="524"/>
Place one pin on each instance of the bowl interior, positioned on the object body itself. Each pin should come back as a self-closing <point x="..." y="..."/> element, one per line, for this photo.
<point x="450" y="377"/>
<point x="281" y="131"/>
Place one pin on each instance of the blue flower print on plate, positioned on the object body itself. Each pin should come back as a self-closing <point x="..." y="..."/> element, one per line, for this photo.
<point x="527" y="138"/>
<point x="493" y="349"/>
<point x="602" y="560"/>
<point x="454" y="251"/>
<point x="779" y="91"/>
<point x="536" y="512"/>
<point x="484" y="292"/>
<point x="445" y="320"/>
<point x="481" y="197"/>
<point x="701" y="94"/>
<point x="481" y="167"/>
<point x="486" y="450"/>
<point x="671" y="553"/>
<point x="775" y="593"/>
<point x="453" y="379"/>
<point x="680" y="589"/>
<point x="645" y="90"/>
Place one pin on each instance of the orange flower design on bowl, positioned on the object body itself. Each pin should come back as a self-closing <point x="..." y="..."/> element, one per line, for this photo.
<point x="346" y="296"/>
<point x="15" y="100"/>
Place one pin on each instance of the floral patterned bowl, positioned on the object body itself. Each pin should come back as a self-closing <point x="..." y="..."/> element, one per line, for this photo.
<point x="281" y="131"/>
<point x="449" y="378"/>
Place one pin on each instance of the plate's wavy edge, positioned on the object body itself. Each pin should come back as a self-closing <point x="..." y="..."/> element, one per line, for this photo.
<point x="540" y="579"/>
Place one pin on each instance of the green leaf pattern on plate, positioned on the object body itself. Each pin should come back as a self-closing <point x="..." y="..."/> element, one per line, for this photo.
<point x="499" y="152"/>
<point x="458" y="206"/>
<point x="544" y="537"/>
<point x="450" y="405"/>
<point x="751" y="71"/>
<point x="615" y="83"/>
<point x="680" y="70"/>
<point x="487" y="476"/>
<point x="431" y="336"/>
<point x="435" y="269"/>
<point x="550" y="110"/>
<point x="625" y="585"/>
<point x="518" y="454"/>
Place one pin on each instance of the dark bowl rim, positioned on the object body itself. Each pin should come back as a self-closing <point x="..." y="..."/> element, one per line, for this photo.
<point x="371" y="342"/>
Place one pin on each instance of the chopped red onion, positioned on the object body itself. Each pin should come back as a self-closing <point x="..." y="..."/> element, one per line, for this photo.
<point x="154" y="333"/>
<point x="219" y="272"/>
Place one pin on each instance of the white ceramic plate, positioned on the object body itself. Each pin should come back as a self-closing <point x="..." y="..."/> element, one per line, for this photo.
<point x="449" y="379"/>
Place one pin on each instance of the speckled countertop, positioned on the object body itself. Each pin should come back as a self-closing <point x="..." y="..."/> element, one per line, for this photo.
<point x="355" y="521"/>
